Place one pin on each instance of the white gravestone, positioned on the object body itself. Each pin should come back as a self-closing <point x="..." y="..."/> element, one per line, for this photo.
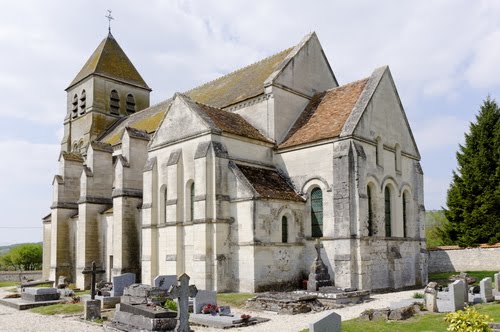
<point x="330" y="322"/>
<point x="485" y="290"/>
<point x="457" y="290"/>
<point x="202" y="298"/>
<point x="497" y="282"/>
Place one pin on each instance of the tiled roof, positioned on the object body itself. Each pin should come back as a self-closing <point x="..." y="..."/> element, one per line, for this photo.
<point x="239" y="85"/>
<point x="269" y="183"/>
<point x="147" y="120"/>
<point x="325" y="115"/>
<point x="109" y="60"/>
<point x="231" y="122"/>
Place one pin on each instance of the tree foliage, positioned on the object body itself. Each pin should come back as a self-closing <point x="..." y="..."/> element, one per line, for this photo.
<point x="474" y="194"/>
<point x="24" y="257"/>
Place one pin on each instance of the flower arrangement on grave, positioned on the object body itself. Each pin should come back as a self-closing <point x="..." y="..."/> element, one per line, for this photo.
<point x="245" y="318"/>
<point x="210" y="309"/>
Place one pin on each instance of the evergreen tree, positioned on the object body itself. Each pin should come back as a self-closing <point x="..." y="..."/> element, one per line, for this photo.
<point x="474" y="194"/>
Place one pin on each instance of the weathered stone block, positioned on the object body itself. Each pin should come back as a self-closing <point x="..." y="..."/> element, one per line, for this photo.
<point x="330" y="322"/>
<point x="92" y="309"/>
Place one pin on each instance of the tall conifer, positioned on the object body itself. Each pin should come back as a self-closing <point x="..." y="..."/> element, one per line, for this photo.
<point x="474" y="195"/>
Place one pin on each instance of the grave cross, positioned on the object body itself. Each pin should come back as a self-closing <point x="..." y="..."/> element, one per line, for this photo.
<point x="183" y="292"/>
<point x="94" y="271"/>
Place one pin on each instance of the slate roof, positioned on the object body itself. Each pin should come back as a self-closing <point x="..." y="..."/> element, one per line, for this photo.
<point x="269" y="183"/>
<point x="325" y="115"/>
<point x="239" y="85"/>
<point x="232" y="123"/>
<point x="109" y="60"/>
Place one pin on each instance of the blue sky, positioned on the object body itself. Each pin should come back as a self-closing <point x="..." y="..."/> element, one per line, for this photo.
<point x="443" y="56"/>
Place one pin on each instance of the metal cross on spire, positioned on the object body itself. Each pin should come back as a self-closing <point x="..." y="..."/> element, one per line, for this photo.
<point x="109" y="17"/>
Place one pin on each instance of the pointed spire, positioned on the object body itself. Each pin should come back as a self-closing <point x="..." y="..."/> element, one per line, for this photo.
<point x="109" y="60"/>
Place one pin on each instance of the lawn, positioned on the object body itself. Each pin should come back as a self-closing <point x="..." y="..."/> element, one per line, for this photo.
<point x="233" y="299"/>
<point x="8" y="283"/>
<point x="442" y="277"/>
<point x="57" y="309"/>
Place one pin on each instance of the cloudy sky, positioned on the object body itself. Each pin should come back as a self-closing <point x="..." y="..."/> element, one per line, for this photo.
<point x="443" y="56"/>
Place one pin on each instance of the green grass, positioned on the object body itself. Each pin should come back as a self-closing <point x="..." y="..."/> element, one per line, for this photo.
<point x="233" y="299"/>
<point x="8" y="283"/>
<point x="425" y="322"/>
<point x="442" y="277"/>
<point x="57" y="309"/>
<point x="80" y="293"/>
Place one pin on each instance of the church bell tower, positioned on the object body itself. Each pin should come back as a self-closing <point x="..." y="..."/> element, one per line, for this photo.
<point x="107" y="88"/>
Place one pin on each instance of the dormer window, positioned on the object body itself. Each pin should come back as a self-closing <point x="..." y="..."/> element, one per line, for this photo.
<point x="114" y="102"/>
<point x="83" y="102"/>
<point x="130" y="103"/>
<point x="74" y="106"/>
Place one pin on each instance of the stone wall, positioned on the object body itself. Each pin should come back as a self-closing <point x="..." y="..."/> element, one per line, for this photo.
<point x="453" y="258"/>
<point x="14" y="275"/>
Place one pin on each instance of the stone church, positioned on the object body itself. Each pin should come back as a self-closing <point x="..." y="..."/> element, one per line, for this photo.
<point x="233" y="181"/>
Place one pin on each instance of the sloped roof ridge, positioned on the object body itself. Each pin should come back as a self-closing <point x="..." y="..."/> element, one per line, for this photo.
<point x="239" y="70"/>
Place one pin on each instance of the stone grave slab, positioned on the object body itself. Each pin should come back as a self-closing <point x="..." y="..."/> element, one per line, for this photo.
<point x="202" y="298"/>
<point x="21" y="304"/>
<point x="40" y="294"/>
<point x="147" y="311"/>
<point x="486" y="290"/>
<point x="128" y="321"/>
<point x="120" y="282"/>
<point x="330" y="322"/>
<point x="165" y="281"/>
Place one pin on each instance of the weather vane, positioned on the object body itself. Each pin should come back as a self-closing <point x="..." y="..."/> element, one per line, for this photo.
<point x="109" y="17"/>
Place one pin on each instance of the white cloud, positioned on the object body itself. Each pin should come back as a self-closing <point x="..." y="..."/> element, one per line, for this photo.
<point x="440" y="132"/>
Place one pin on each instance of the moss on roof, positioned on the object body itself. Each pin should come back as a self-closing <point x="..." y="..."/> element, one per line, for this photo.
<point x="325" y="115"/>
<point x="239" y="85"/>
<point x="147" y="120"/>
<point x="109" y="60"/>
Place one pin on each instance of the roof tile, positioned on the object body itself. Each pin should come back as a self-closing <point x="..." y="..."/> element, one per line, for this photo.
<point x="325" y="115"/>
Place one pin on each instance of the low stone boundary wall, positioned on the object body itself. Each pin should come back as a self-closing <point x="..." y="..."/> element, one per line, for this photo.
<point x="456" y="259"/>
<point x="14" y="275"/>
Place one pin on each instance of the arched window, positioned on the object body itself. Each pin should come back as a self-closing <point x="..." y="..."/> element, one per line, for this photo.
<point x="114" y="102"/>
<point x="74" y="106"/>
<point x="388" y="216"/>
<point x="191" y="203"/>
<point x="284" y="229"/>
<point x="370" y="211"/>
<point x="316" y="213"/>
<point x="405" y="213"/>
<point x="83" y="102"/>
<point x="130" y="103"/>
<point x="397" y="157"/>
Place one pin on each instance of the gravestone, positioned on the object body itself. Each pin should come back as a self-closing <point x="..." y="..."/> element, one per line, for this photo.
<point x="457" y="290"/>
<point x="497" y="282"/>
<point x="330" y="322"/>
<point x="35" y="294"/>
<point x="319" y="276"/>
<point x="225" y="310"/>
<point x="183" y="292"/>
<point x="202" y="298"/>
<point x="430" y="297"/>
<point x="120" y="282"/>
<point x="92" y="307"/>
<point x="465" y="278"/>
<point x="62" y="282"/>
<point x="165" y="281"/>
<point x="486" y="290"/>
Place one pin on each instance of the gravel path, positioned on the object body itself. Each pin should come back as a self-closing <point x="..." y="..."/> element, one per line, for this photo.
<point x="26" y="321"/>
